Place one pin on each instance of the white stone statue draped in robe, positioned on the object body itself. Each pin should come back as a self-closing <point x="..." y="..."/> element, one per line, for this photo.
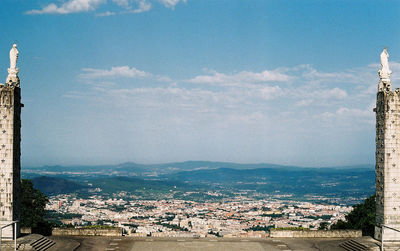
<point x="13" y="57"/>
<point x="385" y="72"/>
<point x="12" y="77"/>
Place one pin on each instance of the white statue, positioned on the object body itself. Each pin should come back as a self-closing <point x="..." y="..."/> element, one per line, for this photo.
<point x="13" y="57"/>
<point x="385" y="72"/>
<point x="12" y="78"/>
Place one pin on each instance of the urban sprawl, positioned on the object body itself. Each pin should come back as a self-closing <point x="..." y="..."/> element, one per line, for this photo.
<point x="238" y="217"/>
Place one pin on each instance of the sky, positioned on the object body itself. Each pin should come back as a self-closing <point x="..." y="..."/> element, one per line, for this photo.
<point x="150" y="81"/>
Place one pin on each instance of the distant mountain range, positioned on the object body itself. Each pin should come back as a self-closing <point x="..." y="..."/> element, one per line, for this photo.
<point x="172" y="180"/>
<point x="54" y="186"/>
<point x="152" y="170"/>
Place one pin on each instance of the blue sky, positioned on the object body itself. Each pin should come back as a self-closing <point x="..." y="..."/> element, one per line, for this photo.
<point x="150" y="81"/>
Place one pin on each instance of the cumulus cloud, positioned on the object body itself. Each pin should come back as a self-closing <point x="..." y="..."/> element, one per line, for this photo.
<point x="395" y="68"/>
<point x="349" y="117"/>
<point x="241" y="77"/>
<point x="143" y="6"/>
<point x="118" y="71"/>
<point x="122" y="3"/>
<point x="71" y="6"/>
<point x="318" y="76"/>
<point x="106" y="14"/>
<point x="335" y="93"/>
<point x="126" y="6"/>
<point x="171" y="3"/>
<point x="133" y="6"/>
<point x="287" y="110"/>
<point x="344" y="111"/>
<point x="300" y="94"/>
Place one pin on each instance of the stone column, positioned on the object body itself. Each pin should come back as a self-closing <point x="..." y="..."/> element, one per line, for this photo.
<point x="387" y="167"/>
<point x="10" y="150"/>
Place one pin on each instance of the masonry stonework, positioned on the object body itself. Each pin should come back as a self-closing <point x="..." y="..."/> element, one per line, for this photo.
<point x="10" y="138"/>
<point x="387" y="170"/>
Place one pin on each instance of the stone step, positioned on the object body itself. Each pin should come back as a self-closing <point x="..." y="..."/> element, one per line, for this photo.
<point x="348" y="247"/>
<point x="42" y="244"/>
<point x="352" y="245"/>
<point x="38" y="242"/>
<point x="46" y="245"/>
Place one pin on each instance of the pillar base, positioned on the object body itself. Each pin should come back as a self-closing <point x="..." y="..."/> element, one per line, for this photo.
<point x="8" y="232"/>
<point x="389" y="235"/>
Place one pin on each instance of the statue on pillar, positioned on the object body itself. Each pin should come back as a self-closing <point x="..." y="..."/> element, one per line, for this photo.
<point x="13" y="57"/>
<point x="384" y="72"/>
<point x="12" y="78"/>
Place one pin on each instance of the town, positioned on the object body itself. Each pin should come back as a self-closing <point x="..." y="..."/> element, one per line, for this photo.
<point x="239" y="217"/>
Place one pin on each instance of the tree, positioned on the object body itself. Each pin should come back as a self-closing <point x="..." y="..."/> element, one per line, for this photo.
<point x="33" y="203"/>
<point x="362" y="217"/>
<point x="323" y="225"/>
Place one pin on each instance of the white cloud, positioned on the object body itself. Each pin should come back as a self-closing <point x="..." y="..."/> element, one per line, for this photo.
<point x="241" y="77"/>
<point x="105" y="14"/>
<point x="71" y="6"/>
<point x="171" y="3"/>
<point x="310" y="99"/>
<point x="308" y="73"/>
<point x="350" y="117"/>
<point x="304" y="96"/>
<point x="303" y="102"/>
<point x="268" y="92"/>
<point x="395" y="68"/>
<point x="122" y="3"/>
<point x="143" y="6"/>
<point x="301" y="110"/>
<point x="118" y="71"/>
<point x="352" y="112"/>
<point x="335" y="93"/>
<point x="76" y="6"/>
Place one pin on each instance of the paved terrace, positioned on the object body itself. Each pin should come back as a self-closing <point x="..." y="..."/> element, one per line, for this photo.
<point x="100" y="243"/>
<point x="208" y="244"/>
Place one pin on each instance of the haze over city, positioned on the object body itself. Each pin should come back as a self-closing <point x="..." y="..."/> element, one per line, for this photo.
<point x="286" y="82"/>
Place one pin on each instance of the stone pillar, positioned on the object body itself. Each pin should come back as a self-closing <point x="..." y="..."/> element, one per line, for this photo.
<point x="10" y="151"/>
<point x="387" y="156"/>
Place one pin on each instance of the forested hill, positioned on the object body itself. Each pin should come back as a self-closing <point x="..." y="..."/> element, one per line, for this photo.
<point x="344" y="183"/>
<point x="146" y="170"/>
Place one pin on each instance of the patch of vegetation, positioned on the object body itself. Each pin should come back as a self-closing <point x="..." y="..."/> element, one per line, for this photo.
<point x="260" y="228"/>
<point x="273" y="215"/>
<point x="55" y="185"/>
<point x="172" y="226"/>
<point x="51" y="214"/>
<point x="324" y="217"/>
<point x="323" y="226"/>
<point x="362" y="217"/>
<point x="33" y="203"/>
<point x="98" y="226"/>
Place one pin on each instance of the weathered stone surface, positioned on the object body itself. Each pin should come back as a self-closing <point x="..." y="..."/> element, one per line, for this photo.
<point x="10" y="139"/>
<point x="88" y="231"/>
<point x="315" y="234"/>
<point x="387" y="170"/>
<point x="12" y="77"/>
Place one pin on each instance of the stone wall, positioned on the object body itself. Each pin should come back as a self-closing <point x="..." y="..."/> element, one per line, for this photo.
<point x="88" y="231"/>
<point x="315" y="234"/>
<point x="26" y="230"/>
